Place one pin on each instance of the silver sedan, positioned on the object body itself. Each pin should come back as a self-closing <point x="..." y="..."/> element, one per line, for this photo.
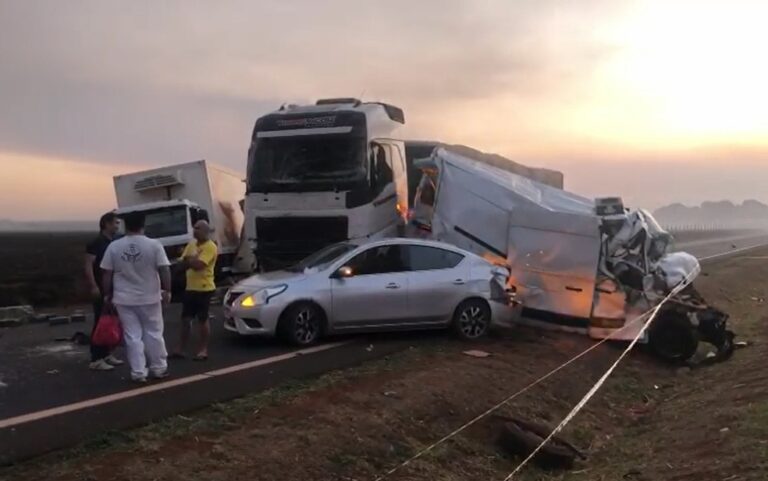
<point x="386" y="285"/>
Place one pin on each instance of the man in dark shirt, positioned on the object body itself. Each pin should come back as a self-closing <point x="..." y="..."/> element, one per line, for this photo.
<point x="101" y="358"/>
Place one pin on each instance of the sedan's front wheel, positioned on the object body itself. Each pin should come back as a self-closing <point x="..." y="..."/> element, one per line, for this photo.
<point x="301" y="324"/>
<point x="472" y="319"/>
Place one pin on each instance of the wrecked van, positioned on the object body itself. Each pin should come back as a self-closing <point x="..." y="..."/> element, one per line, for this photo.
<point x="577" y="264"/>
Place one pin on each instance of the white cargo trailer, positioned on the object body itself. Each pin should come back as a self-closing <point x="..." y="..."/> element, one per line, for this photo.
<point x="577" y="264"/>
<point x="173" y="198"/>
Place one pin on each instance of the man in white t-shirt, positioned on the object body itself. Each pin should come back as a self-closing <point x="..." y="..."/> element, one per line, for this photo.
<point x="137" y="281"/>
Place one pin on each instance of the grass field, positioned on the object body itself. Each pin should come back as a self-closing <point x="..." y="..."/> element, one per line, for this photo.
<point x="42" y="269"/>
<point x="649" y="422"/>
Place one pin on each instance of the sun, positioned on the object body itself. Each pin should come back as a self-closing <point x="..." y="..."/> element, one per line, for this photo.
<point x="681" y="74"/>
<point x="699" y="67"/>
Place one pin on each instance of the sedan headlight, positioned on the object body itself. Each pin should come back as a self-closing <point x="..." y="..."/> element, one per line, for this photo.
<point x="262" y="296"/>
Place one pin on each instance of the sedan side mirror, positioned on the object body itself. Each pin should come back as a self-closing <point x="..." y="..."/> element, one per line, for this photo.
<point x="344" y="273"/>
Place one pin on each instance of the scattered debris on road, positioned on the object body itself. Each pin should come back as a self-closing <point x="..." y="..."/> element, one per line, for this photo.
<point x="15" y="316"/>
<point x="476" y="353"/>
<point x="58" y="320"/>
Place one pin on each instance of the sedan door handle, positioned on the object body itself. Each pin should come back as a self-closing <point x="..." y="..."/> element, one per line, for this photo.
<point x="392" y="285"/>
<point x="459" y="282"/>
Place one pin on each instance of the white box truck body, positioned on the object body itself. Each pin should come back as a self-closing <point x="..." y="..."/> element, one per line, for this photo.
<point x="576" y="264"/>
<point x="173" y="198"/>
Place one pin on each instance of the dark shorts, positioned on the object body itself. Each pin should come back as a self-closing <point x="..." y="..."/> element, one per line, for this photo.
<point x="196" y="305"/>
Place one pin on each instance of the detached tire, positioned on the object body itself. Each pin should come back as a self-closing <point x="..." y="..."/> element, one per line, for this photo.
<point x="301" y="324"/>
<point x="472" y="319"/>
<point x="672" y="337"/>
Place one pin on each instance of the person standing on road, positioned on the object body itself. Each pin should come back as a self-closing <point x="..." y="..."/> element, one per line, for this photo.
<point x="199" y="258"/>
<point x="101" y="357"/>
<point x="137" y="282"/>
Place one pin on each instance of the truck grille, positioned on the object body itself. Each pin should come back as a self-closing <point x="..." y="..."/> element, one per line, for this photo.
<point x="290" y="239"/>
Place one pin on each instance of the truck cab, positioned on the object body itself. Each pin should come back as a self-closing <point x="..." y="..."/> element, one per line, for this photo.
<point x="173" y="198"/>
<point x="321" y="174"/>
<point x="170" y="222"/>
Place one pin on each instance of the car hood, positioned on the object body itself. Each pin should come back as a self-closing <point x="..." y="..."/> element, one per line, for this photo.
<point x="260" y="281"/>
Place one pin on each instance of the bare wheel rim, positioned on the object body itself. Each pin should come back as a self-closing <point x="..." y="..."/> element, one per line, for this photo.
<point x="306" y="326"/>
<point x="473" y="321"/>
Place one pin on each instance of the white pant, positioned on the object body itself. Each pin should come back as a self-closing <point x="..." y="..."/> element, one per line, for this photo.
<point x="143" y="334"/>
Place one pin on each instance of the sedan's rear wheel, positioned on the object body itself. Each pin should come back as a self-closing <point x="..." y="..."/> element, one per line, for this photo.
<point x="301" y="324"/>
<point x="472" y="319"/>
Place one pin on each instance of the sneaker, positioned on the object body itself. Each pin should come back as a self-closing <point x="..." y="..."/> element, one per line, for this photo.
<point x="139" y="380"/>
<point x="100" y="365"/>
<point x="112" y="360"/>
<point x="159" y="375"/>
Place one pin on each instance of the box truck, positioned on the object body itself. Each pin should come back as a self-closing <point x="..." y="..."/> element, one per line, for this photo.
<point x="173" y="198"/>
<point x="576" y="264"/>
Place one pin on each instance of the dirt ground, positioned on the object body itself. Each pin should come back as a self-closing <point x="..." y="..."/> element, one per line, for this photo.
<point x="649" y="422"/>
<point x="42" y="269"/>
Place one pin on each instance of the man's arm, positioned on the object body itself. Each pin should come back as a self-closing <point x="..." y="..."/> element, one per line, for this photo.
<point x="106" y="284"/>
<point x="164" y="271"/>
<point x="106" y="278"/>
<point x="165" y="278"/>
<point x="89" y="260"/>
<point x="206" y="257"/>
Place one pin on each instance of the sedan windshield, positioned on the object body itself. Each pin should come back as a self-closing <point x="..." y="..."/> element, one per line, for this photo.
<point x="322" y="258"/>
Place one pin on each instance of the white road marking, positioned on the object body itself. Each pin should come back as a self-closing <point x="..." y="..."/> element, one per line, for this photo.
<point x="89" y="403"/>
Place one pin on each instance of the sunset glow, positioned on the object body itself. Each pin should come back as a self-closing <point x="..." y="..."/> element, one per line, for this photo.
<point x="670" y="91"/>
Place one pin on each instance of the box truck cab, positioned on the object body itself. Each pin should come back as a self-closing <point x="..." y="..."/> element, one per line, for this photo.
<point x="173" y="198"/>
<point x="321" y="174"/>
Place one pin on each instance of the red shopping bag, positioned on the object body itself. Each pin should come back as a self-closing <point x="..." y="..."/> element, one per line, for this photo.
<point x="108" y="332"/>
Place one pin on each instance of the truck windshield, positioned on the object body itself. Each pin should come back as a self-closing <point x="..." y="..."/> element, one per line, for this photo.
<point x="307" y="163"/>
<point x="166" y="222"/>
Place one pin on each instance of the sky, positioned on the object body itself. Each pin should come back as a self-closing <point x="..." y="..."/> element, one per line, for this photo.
<point x="656" y="101"/>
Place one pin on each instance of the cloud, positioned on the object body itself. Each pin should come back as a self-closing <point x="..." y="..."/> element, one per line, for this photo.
<point x="180" y="80"/>
<point x="547" y="83"/>
<point x="55" y="188"/>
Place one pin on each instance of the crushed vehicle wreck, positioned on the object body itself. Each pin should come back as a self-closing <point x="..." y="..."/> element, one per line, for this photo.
<point x="577" y="264"/>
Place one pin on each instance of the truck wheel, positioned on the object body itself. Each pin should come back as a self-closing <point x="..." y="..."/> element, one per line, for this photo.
<point x="301" y="324"/>
<point x="672" y="337"/>
<point x="472" y="319"/>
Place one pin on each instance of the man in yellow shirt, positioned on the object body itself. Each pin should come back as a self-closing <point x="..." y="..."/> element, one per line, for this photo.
<point x="199" y="258"/>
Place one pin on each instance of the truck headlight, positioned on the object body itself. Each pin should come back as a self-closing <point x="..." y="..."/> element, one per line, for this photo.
<point x="262" y="296"/>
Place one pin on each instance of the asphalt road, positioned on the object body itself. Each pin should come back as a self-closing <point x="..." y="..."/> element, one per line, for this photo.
<point x="49" y="399"/>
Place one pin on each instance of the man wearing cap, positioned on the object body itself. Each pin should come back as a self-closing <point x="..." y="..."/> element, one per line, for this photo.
<point x="199" y="258"/>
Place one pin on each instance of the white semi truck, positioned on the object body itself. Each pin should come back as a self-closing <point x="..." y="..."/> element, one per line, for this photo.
<point x="173" y="198"/>
<point x="324" y="173"/>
